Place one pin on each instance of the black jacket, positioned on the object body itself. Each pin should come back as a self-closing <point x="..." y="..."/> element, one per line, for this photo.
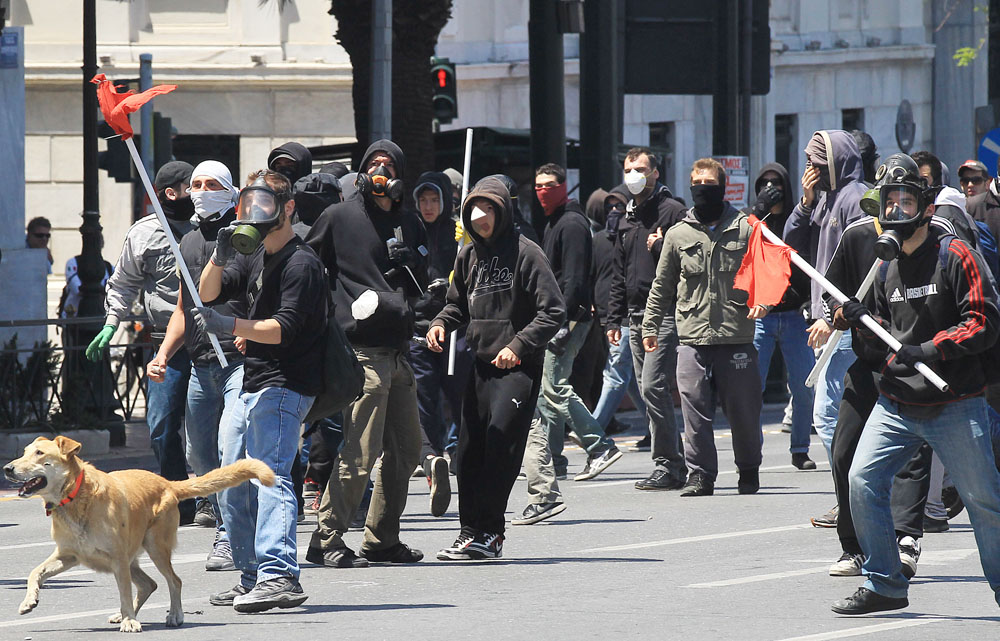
<point x="604" y="252"/>
<point x="635" y="265"/>
<point x="503" y="288"/>
<point x="441" y="246"/>
<point x="798" y="290"/>
<point x="985" y="207"/>
<point x="350" y="238"/>
<point x="568" y="245"/>
<point x="197" y="247"/>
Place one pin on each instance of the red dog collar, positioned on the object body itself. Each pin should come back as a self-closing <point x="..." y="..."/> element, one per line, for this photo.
<point x="72" y="495"/>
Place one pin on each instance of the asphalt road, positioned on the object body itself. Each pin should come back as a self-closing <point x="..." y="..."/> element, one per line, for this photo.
<point x="618" y="563"/>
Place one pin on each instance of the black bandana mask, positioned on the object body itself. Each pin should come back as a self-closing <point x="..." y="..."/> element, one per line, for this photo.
<point x="180" y="209"/>
<point x="709" y="202"/>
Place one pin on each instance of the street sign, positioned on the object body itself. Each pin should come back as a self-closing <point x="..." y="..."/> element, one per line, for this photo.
<point x="737" y="179"/>
<point x="989" y="150"/>
<point x="906" y="129"/>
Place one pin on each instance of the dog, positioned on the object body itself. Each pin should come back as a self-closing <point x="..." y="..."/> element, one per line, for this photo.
<point x="103" y="521"/>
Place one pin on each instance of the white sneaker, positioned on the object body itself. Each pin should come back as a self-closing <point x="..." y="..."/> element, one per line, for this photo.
<point x="848" y="565"/>
<point x="909" y="554"/>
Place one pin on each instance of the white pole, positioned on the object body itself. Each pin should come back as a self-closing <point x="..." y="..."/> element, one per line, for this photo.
<point x="868" y="321"/>
<point x="831" y="345"/>
<point x="467" y="167"/>
<point x="181" y="265"/>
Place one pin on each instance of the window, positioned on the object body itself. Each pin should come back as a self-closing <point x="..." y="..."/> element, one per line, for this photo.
<point x="852" y="119"/>
<point x="786" y="128"/>
<point x="662" y="142"/>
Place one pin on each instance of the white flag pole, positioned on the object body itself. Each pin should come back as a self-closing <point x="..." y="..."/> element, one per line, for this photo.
<point x="868" y="321"/>
<point x="467" y="167"/>
<point x="831" y="345"/>
<point x="181" y="265"/>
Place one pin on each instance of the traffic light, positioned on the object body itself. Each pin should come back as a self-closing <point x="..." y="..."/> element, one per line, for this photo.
<point x="116" y="160"/>
<point x="445" y="92"/>
<point x="163" y="146"/>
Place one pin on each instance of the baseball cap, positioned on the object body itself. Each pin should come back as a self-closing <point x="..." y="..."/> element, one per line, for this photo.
<point x="975" y="165"/>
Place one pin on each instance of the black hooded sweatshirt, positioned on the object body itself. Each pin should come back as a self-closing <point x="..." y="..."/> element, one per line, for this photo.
<point x="303" y="158"/>
<point x="798" y="291"/>
<point x="441" y="245"/>
<point x="503" y="288"/>
<point x="350" y="238"/>
<point x="568" y="245"/>
<point x="635" y="265"/>
<point x="604" y="252"/>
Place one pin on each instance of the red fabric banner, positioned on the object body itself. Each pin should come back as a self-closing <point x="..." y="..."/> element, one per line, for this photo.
<point x="765" y="270"/>
<point x="117" y="106"/>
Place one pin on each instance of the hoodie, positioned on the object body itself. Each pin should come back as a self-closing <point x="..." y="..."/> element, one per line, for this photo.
<point x="797" y="293"/>
<point x="815" y="232"/>
<point x="441" y="246"/>
<point x="503" y="288"/>
<point x="568" y="245"/>
<point x="985" y="207"/>
<point x="299" y="153"/>
<point x="350" y="238"/>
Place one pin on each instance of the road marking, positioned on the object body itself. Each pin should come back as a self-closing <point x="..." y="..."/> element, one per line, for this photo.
<point x="771" y="468"/>
<point x="21" y="546"/>
<point x="868" y="629"/>
<point x="760" y="577"/>
<point x="73" y="615"/>
<point x="696" y="539"/>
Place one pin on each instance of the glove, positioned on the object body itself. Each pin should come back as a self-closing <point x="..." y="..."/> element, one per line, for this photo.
<point x="460" y="236"/>
<point x="768" y="197"/>
<point x="853" y="310"/>
<point x="438" y="288"/>
<point x="401" y="255"/>
<point x="901" y="364"/>
<point x="557" y="345"/>
<point x="224" y="250"/>
<point x="95" y="351"/>
<point x="210" y="321"/>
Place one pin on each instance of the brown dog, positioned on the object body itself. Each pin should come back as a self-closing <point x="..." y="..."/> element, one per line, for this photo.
<point x="103" y="521"/>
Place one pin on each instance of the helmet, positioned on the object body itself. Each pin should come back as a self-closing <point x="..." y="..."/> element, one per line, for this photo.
<point x="899" y="175"/>
<point x="509" y="183"/>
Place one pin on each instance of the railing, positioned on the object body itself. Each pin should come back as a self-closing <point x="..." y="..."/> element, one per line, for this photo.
<point x="56" y="387"/>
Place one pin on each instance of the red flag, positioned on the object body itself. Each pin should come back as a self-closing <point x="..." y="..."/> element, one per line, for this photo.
<point x="117" y="106"/>
<point x="765" y="270"/>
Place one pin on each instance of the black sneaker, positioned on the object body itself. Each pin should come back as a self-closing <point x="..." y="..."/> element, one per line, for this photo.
<point x="226" y="598"/>
<point x="909" y="554"/>
<point x="952" y="501"/>
<point x="282" y="592"/>
<point x="440" y="485"/>
<point x="644" y="444"/>
<point x="934" y="526"/>
<point x="864" y="601"/>
<point x="220" y="558"/>
<point x="204" y="514"/>
<point x="458" y="551"/>
<point x="485" y="546"/>
<point x="399" y="553"/>
<point x="538" y="512"/>
<point x="660" y="480"/>
<point x="698" y="485"/>
<point x="598" y="463"/>
<point x="827" y="520"/>
<point x="615" y="427"/>
<point x="802" y="461"/>
<point x="749" y="482"/>
<point x="335" y="558"/>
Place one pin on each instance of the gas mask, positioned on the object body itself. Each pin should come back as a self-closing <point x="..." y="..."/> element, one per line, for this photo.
<point x="257" y="213"/>
<point x="897" y="225"/>
<point x="635" y="182"/>
<point x="380" y="183"/>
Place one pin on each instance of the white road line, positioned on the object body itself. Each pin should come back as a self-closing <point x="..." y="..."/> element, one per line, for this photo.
<point x="696" y="539"/>
<point x="21" y="546"/>
<point x="868" y="629"/>
<point x="771" y="468"/>
<point x="30" y="620"/>
<point x="760" y="577"/>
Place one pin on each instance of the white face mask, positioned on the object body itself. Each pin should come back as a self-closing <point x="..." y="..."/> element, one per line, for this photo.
<point x="210" y="203"/>
<point x="635" y="181"/>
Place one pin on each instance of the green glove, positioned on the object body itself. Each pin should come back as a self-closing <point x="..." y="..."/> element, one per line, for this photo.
<point x="96" y="348"/>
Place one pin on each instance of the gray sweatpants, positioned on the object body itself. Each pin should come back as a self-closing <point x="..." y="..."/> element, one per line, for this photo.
<point x="542" y="484"/>
<point x="727" y="374"/>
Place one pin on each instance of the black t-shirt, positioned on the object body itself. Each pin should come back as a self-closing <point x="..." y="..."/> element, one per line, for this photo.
<point x="294" y="292"/>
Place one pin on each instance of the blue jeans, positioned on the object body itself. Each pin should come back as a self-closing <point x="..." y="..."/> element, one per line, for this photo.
<point x="619" y="379"/>
<point x="165" y="405"/>
<point x="788" y="331"/>
<point x="829" y="390"/>
<point x="264" y="425"/>
<point x="212" y="393"/>
<point x="960" y="435"/>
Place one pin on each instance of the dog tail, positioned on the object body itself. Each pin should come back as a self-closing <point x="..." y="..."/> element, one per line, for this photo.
<point x="224" y="477"/>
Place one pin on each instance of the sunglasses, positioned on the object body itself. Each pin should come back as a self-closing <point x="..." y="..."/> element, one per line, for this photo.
<point x="41" y="235"/>
<point x="974" y="180"/>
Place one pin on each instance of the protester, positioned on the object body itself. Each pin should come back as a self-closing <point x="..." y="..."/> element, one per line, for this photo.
<point x="147" y="266"/>
<point x="375" y="252"/>
<point x="985" y="207"/>
<point x="507" y="295"/>
<point x="651" y="212"/>
<point x="457" y="180"/>
<point x="69" y="300"/>
<point x="946" y="320"/>
<point x="974" y="178"/>
<point x="292" y="160"/>
<point x="949" y="202"/>
<point x="37" y="236"/>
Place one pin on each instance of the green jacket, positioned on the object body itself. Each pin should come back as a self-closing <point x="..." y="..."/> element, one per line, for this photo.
<point x="695" y="275"/>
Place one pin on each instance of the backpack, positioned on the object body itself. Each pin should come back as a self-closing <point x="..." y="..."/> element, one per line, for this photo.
<point x="988" y="248"/>
<point x="343" y="375"/>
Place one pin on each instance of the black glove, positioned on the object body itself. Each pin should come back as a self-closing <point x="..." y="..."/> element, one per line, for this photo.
<point x="768" y="197"/>
<point x="557" y="345"/>
<point x="438" y="287"/>
<point x="853" y="311"/>
<point x="901" y="364"/>
<point x="400" y="255"/>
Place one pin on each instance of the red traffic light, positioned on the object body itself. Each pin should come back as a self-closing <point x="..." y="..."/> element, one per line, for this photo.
<point x="442" y="78"/>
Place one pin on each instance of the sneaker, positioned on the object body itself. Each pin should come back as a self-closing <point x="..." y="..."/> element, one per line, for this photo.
<point x="485" y="546"/>
<point x="935" y="526"/>
<point x="909" y="554"/>
<point x="952" y="501"/>
<point x="310" y="489"/>
<point x="440" y="485"/>
<point x="660" y="480"/>
<point x="457" y="551"/>
<point x="399" y="553"/>
<point x="864" y="601"/>
<point x="226" y="598"/>
<point x="220" y="558"/>
<point x="827" y="520"/>
<point x="848" y="564"/>
<point x="538" y="512"/>
<point x="281" y="592"/>
<point x="644" y="444"/>
<point x="312" y="505"/>
<point x="698" y="485"/>
<point x="336" y="558"/>
<point x="802" y="461"/>
<point x="204" y="514"/>
<point x="615" y="427"/>
<point x="418" y="472"/>
<point x="598" y="463"/>
<point x="749" y="482"/>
